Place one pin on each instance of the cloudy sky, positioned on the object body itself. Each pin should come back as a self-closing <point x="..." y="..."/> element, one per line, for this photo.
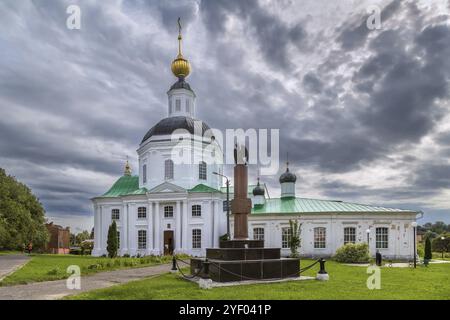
<point x="364" y="113"/>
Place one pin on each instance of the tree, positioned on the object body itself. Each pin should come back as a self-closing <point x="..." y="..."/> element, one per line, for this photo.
<point x="82" y="237"/>
<point x="22" y="217"/>
<point x="294" y="244"/>
<point x="112" y="244"/>
<point x="428" y="254"/>
<point x="441" y="243"/>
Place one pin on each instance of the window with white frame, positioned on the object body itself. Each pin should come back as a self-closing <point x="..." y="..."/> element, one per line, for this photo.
<point x="258" y="234"/>
<point x="168" y="169"/>
<point x="178" y="105"/>
<point x="168" y="212"/>
<point x="349" y="235"/>
<point x="115" y="214"/>
<point x="202" y="170"/>
<point x="118" y="239"/>
<point x="196" y="239"/>
<point x="142" y="213"/>
<point x="170" y="106"/>
<point x="196" y="210"/>
<point x="285" y="237"/>
<point x="320" y="238"/>
<point x="142" y="239"/>
<point x="144" y="173"/>
<point x="382" y="238"/>
<point x="188" y="106"/>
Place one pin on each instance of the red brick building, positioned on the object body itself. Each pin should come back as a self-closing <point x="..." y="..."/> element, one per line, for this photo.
<point x="59" y="242"/>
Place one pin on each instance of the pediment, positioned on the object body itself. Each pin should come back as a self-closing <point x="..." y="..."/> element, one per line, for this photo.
<point x="167" y="187"/>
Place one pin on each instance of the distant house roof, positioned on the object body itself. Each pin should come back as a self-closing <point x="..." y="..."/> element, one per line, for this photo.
<point x="126" y="185"/>
<point x="302" y="205"/>
<point x="201" y="188"/>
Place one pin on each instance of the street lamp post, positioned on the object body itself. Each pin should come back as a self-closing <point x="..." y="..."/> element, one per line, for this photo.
<point x="414" y="225"/>
<point x="368" y="239"/>
<point x="228" y="202"/>
<point x="442" y="238"/>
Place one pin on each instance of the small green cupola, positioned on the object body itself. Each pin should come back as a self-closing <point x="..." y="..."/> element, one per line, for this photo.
<point x="287" y="182"/>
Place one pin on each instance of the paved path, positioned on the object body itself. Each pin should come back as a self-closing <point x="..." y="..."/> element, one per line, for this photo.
<point x="51" y="290"/>
<point x="10" y="263"/>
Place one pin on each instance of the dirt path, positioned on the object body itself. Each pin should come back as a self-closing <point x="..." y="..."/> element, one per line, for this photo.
<point x="51" y="290"/>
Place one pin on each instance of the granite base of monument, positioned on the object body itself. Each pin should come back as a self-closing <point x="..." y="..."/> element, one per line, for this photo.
<point x="244" y="260"/>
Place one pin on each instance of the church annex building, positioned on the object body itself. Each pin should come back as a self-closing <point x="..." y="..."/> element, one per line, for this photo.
<point x="169" y="208"/>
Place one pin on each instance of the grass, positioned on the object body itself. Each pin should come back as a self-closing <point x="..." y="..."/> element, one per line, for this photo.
<point x="346" y="282"/>
<point x="53" y="267"/>
<point x="8" y="252"/>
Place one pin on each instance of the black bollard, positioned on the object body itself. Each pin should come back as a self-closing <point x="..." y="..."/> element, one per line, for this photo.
<point x="322" y="266"/>
<point x="379" y="259"/>
<point x="174" y="264"/>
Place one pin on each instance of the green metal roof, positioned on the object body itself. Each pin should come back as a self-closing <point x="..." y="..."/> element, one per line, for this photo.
<point x="203" y="188"/>
<point x="126" y="185"/>
<point x="301" y="205"/>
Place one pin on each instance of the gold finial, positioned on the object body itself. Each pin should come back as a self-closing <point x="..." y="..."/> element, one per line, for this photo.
<point x="181" y="67"/>
<point x="127" y="168"/>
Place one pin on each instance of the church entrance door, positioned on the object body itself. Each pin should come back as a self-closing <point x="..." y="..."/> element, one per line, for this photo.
<point x="168" y="242"/>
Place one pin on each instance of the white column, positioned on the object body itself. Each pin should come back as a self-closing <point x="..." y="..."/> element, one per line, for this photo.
<point x="149" y="228"/>
<point x="124" y="230"/>
<point x="157" y="229"/>
<point x="185" y="226"/>
<point x="177" y="246"/>
<point x="96" y="227"/>
<point x="216" y="234"/>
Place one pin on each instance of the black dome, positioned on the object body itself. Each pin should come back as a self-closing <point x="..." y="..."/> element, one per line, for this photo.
<point x="168" y="125"/>
<point x="288" y="177"/>
<point x="181" y="84"/>
<point x="258" y="191"/>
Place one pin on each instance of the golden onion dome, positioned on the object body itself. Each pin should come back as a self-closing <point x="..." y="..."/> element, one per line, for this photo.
<point x="181" y="67"/>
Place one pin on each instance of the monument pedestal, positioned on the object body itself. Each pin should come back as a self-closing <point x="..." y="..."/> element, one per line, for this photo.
<point x="243" y="260"/>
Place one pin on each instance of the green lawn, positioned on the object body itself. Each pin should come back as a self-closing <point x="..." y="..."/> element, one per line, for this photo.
<point x="3" y="253"/>
<point x="53" y="267"/>
<point x="346" y="282"/>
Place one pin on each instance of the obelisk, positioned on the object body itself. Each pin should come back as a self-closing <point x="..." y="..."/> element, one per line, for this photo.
<point x="241" y="205"/>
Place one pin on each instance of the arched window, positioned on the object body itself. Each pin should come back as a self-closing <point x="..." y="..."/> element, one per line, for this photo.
<point x="144" y="173"/>
<point x="382" y="238"/>
<point x="142" y="213"/>
<point x="196" y="239"/>
<point x="285" y="237"/>
<point x="188" y="106"/>
<point x="142" y="239"/>
<point x="258" y="234"/>
<point x="196" y="210"/>
<point x="349" y="235"/>
<point x="115" y="214"/>
<point x="202" y="173"/>
<point x="320" y="238"/>
<point x="168" y="169"/>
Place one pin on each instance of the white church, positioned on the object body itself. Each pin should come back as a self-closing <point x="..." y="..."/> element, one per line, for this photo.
<point x="181" y="208"/>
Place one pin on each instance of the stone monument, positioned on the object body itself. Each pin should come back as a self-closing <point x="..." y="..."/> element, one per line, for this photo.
<point x="242" y="259"/>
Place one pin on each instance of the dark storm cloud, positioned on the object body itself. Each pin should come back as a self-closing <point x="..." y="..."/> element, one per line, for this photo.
<point x="352" y="36"/>
<point x="74" y="103"/>
<point x="273" y="36"/>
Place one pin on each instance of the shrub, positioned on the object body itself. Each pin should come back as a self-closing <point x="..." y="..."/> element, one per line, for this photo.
<point x="126" y="255"/>
<point x="353" y="253"/>
<point x="428" y="254"/>
<point x="53" y="272"/>
<point x="112" y="244"/>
